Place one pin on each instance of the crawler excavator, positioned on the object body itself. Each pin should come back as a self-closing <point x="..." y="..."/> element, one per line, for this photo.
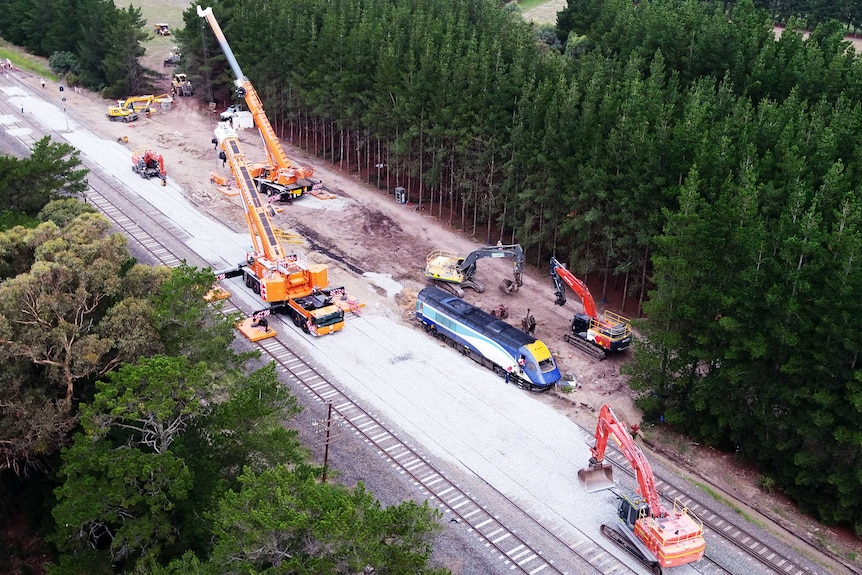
<point x="453" y="273"/>
<point x="645" y="529"/>
<point x="286" y="282"/>
<point x="591" y="334"/>
<point x="278" y="177"/>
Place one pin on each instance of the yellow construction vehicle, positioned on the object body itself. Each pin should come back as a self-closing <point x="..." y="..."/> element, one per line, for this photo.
<point x="181" y="85"/>
<point x="137" y="103"/>
<point x="453" y="272"/>
<point x="120" y="114"/>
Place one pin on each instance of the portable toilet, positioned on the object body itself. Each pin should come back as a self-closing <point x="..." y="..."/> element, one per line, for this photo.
<point x="400" y="195"/>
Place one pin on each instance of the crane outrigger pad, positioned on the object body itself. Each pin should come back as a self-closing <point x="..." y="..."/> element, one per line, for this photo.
<point x="251" y="329"/>
<point x="596" y="478"/>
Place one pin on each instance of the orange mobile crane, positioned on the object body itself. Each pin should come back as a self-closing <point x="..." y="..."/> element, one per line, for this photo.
<point x="278" y="177"/>
<point x="285" y="281"/>
<point x="589" y="332"/>
<point x="648" y="531"/>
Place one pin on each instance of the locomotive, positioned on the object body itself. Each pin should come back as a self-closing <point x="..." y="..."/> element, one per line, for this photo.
<point x="510" y="352"/>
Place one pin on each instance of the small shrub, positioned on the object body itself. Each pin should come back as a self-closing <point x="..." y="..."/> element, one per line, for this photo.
<point x="63" y="63"/>
<point x="767" y="484"/>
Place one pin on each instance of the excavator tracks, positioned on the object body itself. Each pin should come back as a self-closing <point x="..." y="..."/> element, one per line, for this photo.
<point x="590" y="349"/>
<point x="622" y="541"/>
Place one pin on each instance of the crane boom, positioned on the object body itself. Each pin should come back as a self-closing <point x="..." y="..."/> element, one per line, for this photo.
<point x="282" y="176"/>
<point x="263" y="236"/>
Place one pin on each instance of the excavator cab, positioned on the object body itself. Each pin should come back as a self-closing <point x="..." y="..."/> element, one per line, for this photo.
<point x="596" y="477"/>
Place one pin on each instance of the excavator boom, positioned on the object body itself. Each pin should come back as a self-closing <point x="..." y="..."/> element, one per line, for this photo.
<point x="451" y="269"/>
<point x="592" y="334"/>
<point x="562" y="278"/>
<point x="610" y="426"/>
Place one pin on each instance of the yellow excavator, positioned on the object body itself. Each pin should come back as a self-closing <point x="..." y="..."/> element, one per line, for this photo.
<point x="453" y="272"/>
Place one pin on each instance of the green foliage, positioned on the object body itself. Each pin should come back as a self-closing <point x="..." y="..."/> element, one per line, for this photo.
<point x="766" y="483"/>
<point x="10" y="219"/>
<point x="185" y="322"/>
<point x="92" y="39"/>
<point x="286" y="522"/>
<point x="123" y="72"/>
<point x="52" y="170"/>
<point x="63" y="62"/>
<point x="62" y="212"/>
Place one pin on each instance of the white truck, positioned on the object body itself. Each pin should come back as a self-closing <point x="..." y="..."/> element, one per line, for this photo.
<point x="238" y="117"/>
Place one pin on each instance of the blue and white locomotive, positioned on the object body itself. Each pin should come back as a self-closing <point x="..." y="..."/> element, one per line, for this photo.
<point x="487" y="340"/>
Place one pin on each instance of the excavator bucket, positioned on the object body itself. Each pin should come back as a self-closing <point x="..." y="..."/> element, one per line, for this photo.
<point x="596" y="478"/>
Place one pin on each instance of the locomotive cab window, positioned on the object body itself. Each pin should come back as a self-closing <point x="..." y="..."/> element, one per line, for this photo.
<point x="547" y="365"/>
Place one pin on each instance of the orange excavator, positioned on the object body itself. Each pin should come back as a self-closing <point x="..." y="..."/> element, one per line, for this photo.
<point x="590" y="333"/>
<point x="649" y="532"/>
<point x="278" y="177"/>
<point x="149" y="164"/>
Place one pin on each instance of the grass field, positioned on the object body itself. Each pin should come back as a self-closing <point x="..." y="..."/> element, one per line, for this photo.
<point x="24" y="61"/>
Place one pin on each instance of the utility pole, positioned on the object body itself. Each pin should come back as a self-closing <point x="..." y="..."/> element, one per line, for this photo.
<point x="328" y="439"/>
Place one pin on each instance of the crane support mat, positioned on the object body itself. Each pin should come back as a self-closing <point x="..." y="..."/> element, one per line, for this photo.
<point x="349" y="305"/>
<point x="229" y="191"/>
<point x="255" y="332"/>
<point x="322" y="195"/>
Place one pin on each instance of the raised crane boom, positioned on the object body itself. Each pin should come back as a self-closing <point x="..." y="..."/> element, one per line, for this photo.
<point x="646" y="529"/>
<point x="287" y="283"/>
<point x="281" y="177"/>
<point x="264" y="239"/>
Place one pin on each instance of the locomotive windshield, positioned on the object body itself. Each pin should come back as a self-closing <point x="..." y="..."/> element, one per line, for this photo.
<point x="547" y="365"/>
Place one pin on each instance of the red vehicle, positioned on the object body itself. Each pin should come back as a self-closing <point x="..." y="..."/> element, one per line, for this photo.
<point x="149" y="164"/>
<point x="654" y="536"/>
<point x="590" y="333"/>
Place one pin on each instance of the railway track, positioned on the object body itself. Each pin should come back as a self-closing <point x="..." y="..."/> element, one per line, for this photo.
<point x="512" y="550"/>
<point x="455" y="503"/>
<point x="716" y="525"/>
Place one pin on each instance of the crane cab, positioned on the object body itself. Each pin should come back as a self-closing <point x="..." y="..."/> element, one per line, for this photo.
<point x="672" y="540"/>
